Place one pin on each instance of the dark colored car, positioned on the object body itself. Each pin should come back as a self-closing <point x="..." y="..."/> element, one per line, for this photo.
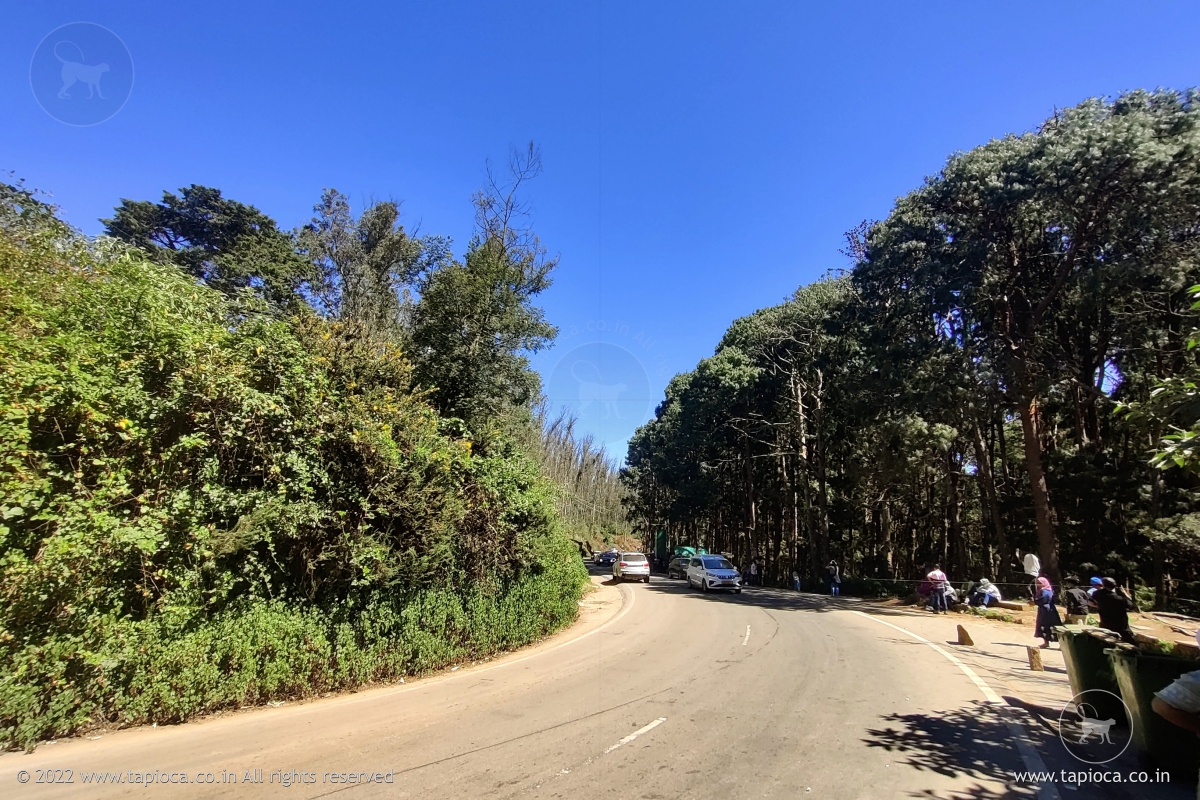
<point x="678" y="566"/>
<point x="606" y="558"/>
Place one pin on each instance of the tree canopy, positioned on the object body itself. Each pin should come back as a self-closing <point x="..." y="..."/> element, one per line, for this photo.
<point x="225" y="244"/>
<point x="262" y="464"/>
<point x="955" y="397"/>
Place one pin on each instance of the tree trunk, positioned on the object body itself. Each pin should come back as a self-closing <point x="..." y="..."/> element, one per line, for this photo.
<point x="957" y="544"/>
<point x="795" y="548"/>
<point x="1047" y="542"/>
<point x="987" y="483"/>
<point x="1156" y="546"/>
<point x="823" y="500"/>
<point x="752" y="506"/>
<point x="885" y="530"/>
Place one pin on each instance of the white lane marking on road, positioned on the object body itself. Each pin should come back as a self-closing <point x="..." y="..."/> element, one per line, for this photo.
<point x="636" y="734"/>
<point x="747" y="636"/>
<point x="1029" y="755"/>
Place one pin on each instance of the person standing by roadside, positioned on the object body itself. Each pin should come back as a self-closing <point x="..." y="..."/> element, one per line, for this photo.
<point x="796" y="580"/>
<point x="1077" y="601"/>
<point x="1032" y="567"/>
<point x="754" y="571"/>
<point x="1047" y="612"/>
<point x="1113" y="605"/>
<point x="835" y="579"/>
<point x="937" y="583"/>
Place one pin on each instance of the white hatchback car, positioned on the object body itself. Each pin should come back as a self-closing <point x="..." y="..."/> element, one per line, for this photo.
<point x="632" y="565"/>
<point x="714" y="572"/>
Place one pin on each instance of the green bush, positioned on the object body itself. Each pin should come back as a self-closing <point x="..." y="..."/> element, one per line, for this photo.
<point x="203" y="505"/>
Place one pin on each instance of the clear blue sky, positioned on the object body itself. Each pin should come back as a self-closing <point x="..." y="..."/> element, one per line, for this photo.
<point x="701" y="159"/>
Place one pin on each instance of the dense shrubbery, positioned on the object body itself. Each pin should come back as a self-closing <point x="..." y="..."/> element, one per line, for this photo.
<point x="204" y="505"/>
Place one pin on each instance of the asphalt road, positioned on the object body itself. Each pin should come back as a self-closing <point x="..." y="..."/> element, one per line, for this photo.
<point x="766" y="694"/>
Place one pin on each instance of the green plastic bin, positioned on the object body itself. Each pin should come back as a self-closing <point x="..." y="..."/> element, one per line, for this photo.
<point x="1088" y="668"/>
<point x="1140" y="676"/>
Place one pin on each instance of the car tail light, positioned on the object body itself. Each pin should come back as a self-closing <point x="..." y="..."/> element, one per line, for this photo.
<point x="623" y="564"/>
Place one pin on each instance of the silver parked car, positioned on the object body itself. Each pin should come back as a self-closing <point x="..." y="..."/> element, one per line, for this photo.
<point x="634" y="566"/>
<point x="714" y="572"/>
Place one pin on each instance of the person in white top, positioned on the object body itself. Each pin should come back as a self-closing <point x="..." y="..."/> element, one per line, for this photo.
<point x="985" y="594"/>
<point x="938" y="580"/>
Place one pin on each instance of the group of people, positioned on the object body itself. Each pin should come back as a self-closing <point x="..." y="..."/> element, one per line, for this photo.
<point x="937" y="591"/>
<point x="1104" y="596"/>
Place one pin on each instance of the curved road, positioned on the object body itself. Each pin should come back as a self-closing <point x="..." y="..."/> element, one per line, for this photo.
<point x="766" y="694"/>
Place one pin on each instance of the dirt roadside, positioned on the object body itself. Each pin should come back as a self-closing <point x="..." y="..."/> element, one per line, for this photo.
<point x="1176" y="629"/>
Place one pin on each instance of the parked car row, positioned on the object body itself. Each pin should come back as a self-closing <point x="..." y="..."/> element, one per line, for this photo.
<point x="704" y="572"/>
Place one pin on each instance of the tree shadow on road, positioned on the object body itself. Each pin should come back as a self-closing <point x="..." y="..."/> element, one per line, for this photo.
<point x="970" y="743"/>
<point x="779" y="599"/>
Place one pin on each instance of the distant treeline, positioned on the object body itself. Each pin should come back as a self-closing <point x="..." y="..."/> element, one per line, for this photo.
<point x="590" y="493"/>
<point x="240" y="464"/>
<point x="1005" y="368"/>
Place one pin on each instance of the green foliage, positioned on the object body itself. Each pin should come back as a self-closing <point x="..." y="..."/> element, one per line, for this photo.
<point x="154" y="671"/>
<point x="989" y="613"/>
<point x="1172" y="411"/>
<point x="366" y="267"/>
<point x="471" y="329"/>
<point x="475" y="322"/>
<point x="954" y="398"/>
<point x="205" y="505"/>
<point x="225" y="244"/>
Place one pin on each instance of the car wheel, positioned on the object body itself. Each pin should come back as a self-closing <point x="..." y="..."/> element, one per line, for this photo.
<point x="737" y="591"/>
<point x="703" y="585"/>
<point x="646" y="579"/>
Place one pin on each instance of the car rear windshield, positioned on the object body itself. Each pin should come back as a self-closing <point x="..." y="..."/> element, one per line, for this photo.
<point x="633" y="557"/>
<point x="717" y="563"/>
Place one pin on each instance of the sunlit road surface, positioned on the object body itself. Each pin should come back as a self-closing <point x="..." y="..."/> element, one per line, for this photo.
<point x="680" y="694"/>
